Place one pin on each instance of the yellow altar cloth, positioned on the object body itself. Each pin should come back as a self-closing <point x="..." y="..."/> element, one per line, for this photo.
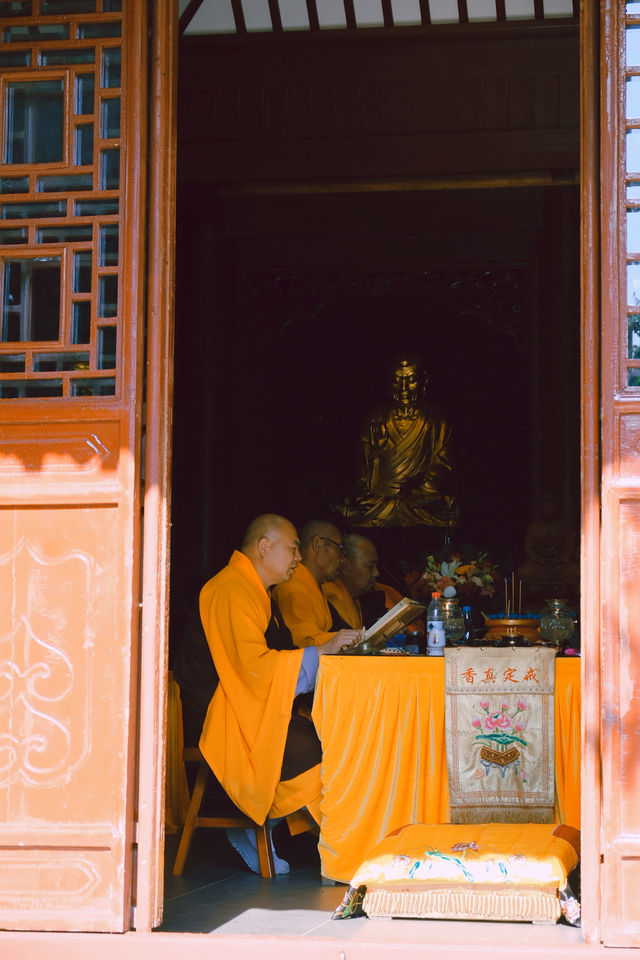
<point x="381" y="721"/>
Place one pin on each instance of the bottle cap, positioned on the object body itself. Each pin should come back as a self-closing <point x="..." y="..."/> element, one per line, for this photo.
<point x="436" y="593"/>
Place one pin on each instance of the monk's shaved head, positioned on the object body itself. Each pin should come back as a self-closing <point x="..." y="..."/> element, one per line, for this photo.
<point x="319" y="528"/>
<point x="321" y="549"/>
<point x="266" y="525"/>
<point x="271" y="543"/>
<point x="360" y="567"/>
<point x="355" y="544"/>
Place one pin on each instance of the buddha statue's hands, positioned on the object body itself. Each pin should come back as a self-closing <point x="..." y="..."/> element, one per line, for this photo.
<point x="341" y="640"/>
<point x="378" y="434"/>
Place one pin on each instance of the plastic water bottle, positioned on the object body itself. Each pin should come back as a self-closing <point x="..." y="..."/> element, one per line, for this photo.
<point x="469" y="629"/>
<point x="435" y="627"/>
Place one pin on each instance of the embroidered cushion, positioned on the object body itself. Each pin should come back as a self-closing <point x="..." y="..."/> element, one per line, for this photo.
<point x="491" y="871"/>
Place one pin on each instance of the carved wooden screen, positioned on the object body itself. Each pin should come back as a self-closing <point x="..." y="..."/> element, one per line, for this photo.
<point x="72" y="107"/>
<point x="620" y="572"/>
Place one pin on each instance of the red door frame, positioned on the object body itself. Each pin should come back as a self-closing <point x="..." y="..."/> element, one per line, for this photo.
<point x="153" y="665"/>
<point x="157" y="470"/>
<point x="590" y="467"/>
<point x="153" y="660"/>
<point x="619" y="501"/>
<point x="70" y="499"/>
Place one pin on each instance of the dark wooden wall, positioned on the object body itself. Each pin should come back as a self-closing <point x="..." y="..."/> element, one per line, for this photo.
<point x="289" y="303"/>
<point x="299" y="107"/>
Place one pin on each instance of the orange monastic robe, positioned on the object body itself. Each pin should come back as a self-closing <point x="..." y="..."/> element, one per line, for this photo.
<point x="343" y="603"/>
<point x="391" y="595"/>
<point x="304" y="608"/>
<point x="246" y="726"/>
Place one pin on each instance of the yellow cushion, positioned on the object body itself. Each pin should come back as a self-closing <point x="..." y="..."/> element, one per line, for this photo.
<point x="492" y="871"/>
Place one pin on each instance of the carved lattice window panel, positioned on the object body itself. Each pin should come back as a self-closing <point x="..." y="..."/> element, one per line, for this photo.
<point x="60" y="197"/>
<point x="631" y="369"/>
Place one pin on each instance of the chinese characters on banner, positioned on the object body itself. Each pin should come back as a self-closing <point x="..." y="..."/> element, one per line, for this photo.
<point x="500" y="734"/>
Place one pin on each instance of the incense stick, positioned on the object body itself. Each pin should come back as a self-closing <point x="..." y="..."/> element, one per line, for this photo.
<point x="520" y="597"/>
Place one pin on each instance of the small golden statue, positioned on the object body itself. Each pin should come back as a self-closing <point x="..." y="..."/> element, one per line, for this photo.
<point x="550" y="552"/>
<point x="405" y="458"/>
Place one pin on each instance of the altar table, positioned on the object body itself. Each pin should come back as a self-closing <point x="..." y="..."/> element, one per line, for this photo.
<point x="381" y="721"/>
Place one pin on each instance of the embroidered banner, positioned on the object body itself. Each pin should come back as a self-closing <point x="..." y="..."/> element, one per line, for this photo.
<point x="500" y="734"/>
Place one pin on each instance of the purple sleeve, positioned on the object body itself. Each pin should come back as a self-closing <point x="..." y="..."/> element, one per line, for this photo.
<point x="308" y="669"/>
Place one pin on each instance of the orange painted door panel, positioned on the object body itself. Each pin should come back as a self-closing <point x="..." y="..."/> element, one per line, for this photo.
<point x="73" y="104"/>
<point x="620" y="454"/>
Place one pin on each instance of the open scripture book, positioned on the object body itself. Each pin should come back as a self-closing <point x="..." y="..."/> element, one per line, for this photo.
<point x="392" y="622"/>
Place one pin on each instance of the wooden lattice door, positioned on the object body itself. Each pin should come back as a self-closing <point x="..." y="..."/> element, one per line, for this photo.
<point x="72" y="182"/>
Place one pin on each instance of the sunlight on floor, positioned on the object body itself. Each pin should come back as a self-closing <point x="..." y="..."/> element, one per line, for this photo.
<point x="218" y="895"/>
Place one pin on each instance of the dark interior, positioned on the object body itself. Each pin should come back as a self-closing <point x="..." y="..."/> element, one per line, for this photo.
<point x="342" y="198"/>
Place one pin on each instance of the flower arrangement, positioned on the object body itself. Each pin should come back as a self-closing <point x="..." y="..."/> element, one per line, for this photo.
<point x="498" y="726"/>
<point x="454" y="575"/>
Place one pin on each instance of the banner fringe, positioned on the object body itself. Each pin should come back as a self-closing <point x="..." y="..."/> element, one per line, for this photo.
<point x="502" y="814"/>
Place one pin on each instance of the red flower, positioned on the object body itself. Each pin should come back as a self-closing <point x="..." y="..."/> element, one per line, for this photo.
<point x="445" y="582"/>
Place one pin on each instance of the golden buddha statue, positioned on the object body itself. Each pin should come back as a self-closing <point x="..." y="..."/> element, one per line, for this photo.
<point x="405" y="458"/>
<point x="550" y="563"/>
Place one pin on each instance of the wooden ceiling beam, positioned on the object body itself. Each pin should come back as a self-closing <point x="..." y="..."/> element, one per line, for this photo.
<point x="238" y="16"/>
<point x="387" y="13"/>
<point x="188" y="14"/>
<point x="312" y="11"/>
<point x="425" y="13"/>
<point x="276" y="19"/>
<point x="350" y="14"/>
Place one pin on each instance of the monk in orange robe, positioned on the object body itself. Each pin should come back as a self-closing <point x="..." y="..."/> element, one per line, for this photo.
<point x="356" y="582"/>
<point x="302" y="603"/>
<point x="357" y="576"/>
<point x="263" y="751"/>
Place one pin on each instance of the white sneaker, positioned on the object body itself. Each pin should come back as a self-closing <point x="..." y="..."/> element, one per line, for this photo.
<point x="244" y="843"/>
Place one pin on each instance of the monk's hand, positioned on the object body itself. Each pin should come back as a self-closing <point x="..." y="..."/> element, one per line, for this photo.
<point x="340" y="641"/>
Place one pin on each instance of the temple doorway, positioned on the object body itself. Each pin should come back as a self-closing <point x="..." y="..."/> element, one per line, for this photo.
<point x="294" y="291"/>
<point x="422" y="198"/>
<point x="296" y="330"/>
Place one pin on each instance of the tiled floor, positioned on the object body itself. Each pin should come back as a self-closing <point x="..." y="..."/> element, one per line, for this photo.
<point x="217" y="894"/>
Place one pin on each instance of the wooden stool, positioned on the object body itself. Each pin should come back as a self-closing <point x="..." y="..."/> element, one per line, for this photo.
<point x="193" y="820"/>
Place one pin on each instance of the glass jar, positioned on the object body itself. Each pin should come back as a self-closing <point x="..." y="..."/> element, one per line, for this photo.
<point x="556" y="622"/>
<point x="453" y="620"/>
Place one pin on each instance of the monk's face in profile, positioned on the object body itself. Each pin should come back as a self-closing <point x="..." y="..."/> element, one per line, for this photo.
<point x="283" y="554"/>
<point x="329" y="555"/>
<point x="360" y="572"/>
<point x="405" y="385"/>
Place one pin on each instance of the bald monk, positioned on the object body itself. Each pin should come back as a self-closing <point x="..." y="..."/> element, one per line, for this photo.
<point x="357" y="576"/>
<point x="355" y="597"/>
<point x="302" y="603"/>
<point x="264" y="753"/>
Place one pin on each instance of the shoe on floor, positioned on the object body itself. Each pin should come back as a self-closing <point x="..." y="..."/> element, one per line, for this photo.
<point x="244" y="843"/>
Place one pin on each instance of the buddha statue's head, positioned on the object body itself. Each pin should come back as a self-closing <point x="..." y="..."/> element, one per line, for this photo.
<point x="408" y="381"/>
